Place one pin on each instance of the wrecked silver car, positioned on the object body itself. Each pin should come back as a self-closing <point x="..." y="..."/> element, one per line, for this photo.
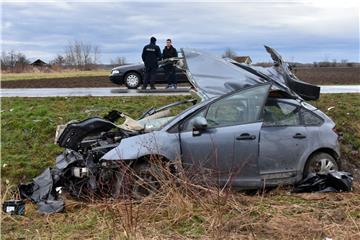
<point x="252" y="128"/>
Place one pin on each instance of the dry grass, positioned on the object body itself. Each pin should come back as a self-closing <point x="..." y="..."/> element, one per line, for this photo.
<point x="179" y="211"/>
<point x="182" y="209"/>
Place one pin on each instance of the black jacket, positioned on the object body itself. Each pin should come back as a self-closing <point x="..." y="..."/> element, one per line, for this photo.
<point x="151" y="55"/>
<point x="169" y="52"/>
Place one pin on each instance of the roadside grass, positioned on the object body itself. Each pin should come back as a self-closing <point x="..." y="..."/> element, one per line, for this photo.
<point x="186" y="212"/>
<point x="28" y="127"/>
<point x="27" y="131"/>
<point x="43" y="75"/>
<point x="344" y="109"/>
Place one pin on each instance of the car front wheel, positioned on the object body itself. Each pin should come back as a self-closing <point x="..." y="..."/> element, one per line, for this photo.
<point x="145" y="180"/>
<point x="321" y="163"/>
<point x="132" y="80"/>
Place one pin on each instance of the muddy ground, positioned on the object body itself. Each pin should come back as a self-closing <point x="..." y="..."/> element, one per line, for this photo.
<point x="329" y="75"/>
<point x="71" y="82"/>
<point x="321" y="76"/>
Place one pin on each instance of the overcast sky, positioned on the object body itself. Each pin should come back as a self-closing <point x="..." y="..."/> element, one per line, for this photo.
<point x="300" y="30"/>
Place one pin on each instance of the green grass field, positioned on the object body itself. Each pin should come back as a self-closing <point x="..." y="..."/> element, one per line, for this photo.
<point x="28" y="126"/>
<point x="27" y="132"/>
<point x="42" y="75"/>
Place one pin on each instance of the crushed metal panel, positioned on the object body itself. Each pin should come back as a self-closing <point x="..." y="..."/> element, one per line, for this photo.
<point x="305" y="90"/>
<point x="214" y="76"/>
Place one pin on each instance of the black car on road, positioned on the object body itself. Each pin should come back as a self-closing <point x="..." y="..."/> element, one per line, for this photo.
<point x="132" y="75"/>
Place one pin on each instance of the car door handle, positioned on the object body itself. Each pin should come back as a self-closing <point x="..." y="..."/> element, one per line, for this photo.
<point x="299" y="136"/>
<point x="246" y="136"/>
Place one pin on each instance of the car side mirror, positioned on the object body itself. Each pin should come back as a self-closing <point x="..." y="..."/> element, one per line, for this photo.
<point x="199" y="124"/>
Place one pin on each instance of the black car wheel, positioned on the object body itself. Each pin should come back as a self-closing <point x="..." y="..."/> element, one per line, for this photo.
<point x="132" y="80"/>
<point x="321" y="163"/>
<point x="145" y="182"/>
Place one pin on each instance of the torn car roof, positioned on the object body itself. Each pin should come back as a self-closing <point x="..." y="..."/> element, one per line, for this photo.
<point x="214" y="76"/>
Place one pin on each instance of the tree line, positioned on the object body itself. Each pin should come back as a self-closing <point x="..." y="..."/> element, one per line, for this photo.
<point x="77" y="54"/>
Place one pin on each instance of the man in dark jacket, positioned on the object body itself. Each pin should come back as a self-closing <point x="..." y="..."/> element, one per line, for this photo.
<point x="151" y="55"/>
<point x="170" y="52"/>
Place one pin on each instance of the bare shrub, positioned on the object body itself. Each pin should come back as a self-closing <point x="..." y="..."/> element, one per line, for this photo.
<point x="14" y="61"/>
<point x="229" y="53"/>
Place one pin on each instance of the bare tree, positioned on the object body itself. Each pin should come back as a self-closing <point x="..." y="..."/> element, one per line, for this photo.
<point x="82" y="55"/>
<point x="70" y="55"/>
<point x="229" y="53"/>
<point x="96" y="54"/>
<point x="334" y="63"/>
<point x="86" y="51"/>
<point x="59" y="60"/>
<point x="118" y="61"/>
<point x="14" y="61"/>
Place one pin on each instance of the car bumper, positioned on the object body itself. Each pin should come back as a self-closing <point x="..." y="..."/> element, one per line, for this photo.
<point x="117" y="79"/>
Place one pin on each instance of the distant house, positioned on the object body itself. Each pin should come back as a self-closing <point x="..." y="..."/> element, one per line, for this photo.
<point x="39" y="63"/>
<point x="243" y="59"/>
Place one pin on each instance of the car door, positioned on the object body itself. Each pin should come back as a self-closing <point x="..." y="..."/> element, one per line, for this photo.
<point x="160" y="75"/>
<point x="228" y="147"/>
<point x="181" y="75"/>
<point x="282" y="143"/>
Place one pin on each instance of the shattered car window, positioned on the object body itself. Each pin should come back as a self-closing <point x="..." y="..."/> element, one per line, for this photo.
<point x="281" y="114"/>
<point x="310" y="119"/>
<point x="239" y="108"/>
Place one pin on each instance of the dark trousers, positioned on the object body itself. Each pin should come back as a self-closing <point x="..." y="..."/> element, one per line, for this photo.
<point x="170" y="74"/>
<point x="149" y="78"/>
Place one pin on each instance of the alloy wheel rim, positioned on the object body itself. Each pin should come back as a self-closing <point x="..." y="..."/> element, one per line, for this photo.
<point x="132" y="80"/>
<point x="323" y="166"/>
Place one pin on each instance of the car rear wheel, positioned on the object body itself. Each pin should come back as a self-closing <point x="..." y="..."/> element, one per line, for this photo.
<point x="132" y="80"/>
<point x="321" y="163"/>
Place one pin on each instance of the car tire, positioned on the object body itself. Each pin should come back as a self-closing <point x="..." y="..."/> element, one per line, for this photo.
<point x="321" y="163"/>
<point x="110" y="182"/>
<point x="132" y="80"/>
<point x="145" y="180"/>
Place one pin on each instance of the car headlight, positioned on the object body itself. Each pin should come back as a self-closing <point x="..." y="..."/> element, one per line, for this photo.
<point x="115" y="72"/>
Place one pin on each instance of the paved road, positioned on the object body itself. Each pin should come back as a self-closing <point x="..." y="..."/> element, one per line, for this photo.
<point x="72" y="92"/>
<point x="79" y="92"/>
<point x="340" y="89"/>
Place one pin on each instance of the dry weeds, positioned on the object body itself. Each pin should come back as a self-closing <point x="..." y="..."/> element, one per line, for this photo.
<point x="181" y="209"/>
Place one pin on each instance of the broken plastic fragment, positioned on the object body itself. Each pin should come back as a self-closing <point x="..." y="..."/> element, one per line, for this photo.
<point x="51" y="206"/>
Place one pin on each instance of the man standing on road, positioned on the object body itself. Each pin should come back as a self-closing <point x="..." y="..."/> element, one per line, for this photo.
<point x="151" y="55"/>
<point x="170" y="52"/>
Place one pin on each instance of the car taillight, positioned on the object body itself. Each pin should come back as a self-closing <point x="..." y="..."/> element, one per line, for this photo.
<point x="334" y="130"/>
<point x="340" y="134"/>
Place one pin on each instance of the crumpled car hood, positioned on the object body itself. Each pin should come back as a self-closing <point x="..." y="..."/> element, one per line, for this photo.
<point x="213" y="76"/>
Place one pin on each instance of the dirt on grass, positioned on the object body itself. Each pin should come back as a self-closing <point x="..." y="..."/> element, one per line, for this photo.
<point x="320" y="76"/>
<point x="329" y="75"/>
<point x="68" y="82"/>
